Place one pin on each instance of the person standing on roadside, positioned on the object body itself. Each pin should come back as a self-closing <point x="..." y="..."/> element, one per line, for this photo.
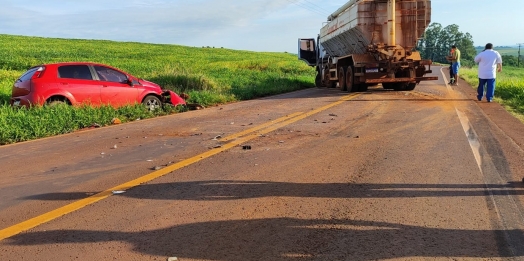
<point x="455" y="63"/>
<point x="451" y="75"/>
<point x="489" y="62"/>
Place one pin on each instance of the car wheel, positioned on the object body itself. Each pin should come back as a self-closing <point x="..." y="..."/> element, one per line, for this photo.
<point x="152" y="103"/>
<point x="56" y="102"/>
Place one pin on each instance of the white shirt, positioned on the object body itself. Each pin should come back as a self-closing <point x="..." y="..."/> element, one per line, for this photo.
<point x="488" y="60"/>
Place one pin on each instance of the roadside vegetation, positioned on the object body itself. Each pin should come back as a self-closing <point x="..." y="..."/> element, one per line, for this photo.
<point x="509" y="90"/>
<point x="209" y="75"/>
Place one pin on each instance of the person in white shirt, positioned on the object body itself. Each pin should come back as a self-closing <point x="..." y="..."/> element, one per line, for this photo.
<point x="489" y="62"/>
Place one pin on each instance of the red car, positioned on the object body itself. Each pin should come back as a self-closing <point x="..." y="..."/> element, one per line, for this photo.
<point x="78" y="83"/>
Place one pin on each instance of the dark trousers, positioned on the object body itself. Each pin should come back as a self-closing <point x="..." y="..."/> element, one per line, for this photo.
<point x="490" y="92"/>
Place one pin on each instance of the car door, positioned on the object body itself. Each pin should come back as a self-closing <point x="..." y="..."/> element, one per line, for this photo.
<point x="307" y="51"/>
<point x="77" y="80"/>
<point x="116" y="89"/>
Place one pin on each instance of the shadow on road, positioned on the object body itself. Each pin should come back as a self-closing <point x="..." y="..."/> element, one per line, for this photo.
<point x="233" y="190"/>
<point x="288" y="239"/>
<point x="295" y="239"/>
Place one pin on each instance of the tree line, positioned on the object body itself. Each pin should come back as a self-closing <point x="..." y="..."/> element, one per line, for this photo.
<point x="437" y="41"/>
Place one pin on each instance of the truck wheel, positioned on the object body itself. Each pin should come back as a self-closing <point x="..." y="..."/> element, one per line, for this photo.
<point x="400" y="86"/>
<point x="350" y="85"/>
<point x="362" y="87"/>
<point x="342" y="78"/>
<point x="326" y="81"/>
<point x="318" y="80"/>
<point x="410" y="86"/>
<point x="388" y="85"/>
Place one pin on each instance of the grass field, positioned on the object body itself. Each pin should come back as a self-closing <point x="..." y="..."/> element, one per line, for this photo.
<point x="509" y="90"/>
<point x="209" y="75"/>
<point x="514" y="51"/>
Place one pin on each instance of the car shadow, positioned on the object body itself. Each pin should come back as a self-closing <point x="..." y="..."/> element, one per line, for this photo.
<point x="289" y="239"/>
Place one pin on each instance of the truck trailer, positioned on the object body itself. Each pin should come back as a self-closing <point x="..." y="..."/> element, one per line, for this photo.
<point x="370" y="42"/>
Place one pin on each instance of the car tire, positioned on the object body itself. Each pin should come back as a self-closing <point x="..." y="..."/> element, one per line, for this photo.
<point x="57" y="102"/>
<point x="152" y="103"/>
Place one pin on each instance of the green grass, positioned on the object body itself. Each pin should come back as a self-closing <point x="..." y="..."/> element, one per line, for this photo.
<point x="509" y="88"/>
<point x="209" y="75"/>
<point x="514" y="51"/>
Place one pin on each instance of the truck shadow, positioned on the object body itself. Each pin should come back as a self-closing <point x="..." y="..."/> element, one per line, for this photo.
<point x="291" y="238"/>
<point x="235" y="190"/>
<point x="287" y="239"/>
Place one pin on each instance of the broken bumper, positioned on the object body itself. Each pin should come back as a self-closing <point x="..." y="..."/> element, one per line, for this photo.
<point x="172" y="98"/>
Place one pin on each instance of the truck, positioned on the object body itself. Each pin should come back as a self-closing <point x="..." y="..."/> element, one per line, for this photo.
<point x="370" y="42"/>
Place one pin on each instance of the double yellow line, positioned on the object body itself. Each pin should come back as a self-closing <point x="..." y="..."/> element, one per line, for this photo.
<point x="233" y="140"/>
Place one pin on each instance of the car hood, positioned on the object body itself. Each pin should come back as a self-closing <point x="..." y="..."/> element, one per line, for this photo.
<point x="150" y="85"/>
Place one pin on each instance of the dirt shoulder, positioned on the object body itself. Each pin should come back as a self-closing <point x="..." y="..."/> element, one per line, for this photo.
<point x="508" y="123"/>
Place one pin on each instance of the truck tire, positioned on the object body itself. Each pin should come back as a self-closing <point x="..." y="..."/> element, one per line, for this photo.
<point x="410" y="86"/>
<point x="400" y="86"/>
<point x="342" y="78"/>
<point x="318" y="80"/>
<point x="350" y="80"/>
<point x="388" y="85"/>
<point x="362" y="87"/>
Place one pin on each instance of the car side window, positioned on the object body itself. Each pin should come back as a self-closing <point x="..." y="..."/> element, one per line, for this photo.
<point x="110" y="75"/>
<point x="75" y="72"/>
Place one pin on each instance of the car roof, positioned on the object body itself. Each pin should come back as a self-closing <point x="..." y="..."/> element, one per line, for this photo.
<point x="73" y="63"/>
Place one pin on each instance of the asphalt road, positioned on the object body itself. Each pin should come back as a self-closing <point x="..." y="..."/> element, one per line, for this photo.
<point x="317" y="174"/>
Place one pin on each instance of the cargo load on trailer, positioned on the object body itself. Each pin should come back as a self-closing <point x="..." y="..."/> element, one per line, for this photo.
<point x="368" y="42"/>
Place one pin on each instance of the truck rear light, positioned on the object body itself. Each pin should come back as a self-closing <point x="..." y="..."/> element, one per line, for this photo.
<point x="38" y="73"/>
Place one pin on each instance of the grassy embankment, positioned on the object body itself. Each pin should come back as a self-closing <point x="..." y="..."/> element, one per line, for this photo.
<point x="509" y="89"/>
<point x="209" y="75"/>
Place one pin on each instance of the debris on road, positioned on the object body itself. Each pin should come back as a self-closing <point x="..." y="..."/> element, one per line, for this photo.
<point x="114" y="147"/>
<point x="246" y="147"/>
<point x="156" y="168"/>
<point x="116" y="192"/>
<point x="116" y="121"/>
<point x="217" y="137"/>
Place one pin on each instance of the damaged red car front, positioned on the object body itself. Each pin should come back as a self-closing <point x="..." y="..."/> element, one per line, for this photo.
<point x="82" y="83"/>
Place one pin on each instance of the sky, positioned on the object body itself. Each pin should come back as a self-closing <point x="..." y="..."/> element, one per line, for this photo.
<point x="255" y="25"/>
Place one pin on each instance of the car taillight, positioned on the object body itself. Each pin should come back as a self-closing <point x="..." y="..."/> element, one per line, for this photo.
<point x="38" y="73"/>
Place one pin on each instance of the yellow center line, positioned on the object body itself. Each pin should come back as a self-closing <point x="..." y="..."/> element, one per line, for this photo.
<point x="235" y="140"/>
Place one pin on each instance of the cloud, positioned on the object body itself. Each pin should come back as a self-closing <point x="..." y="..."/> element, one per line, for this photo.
<point x="176" y="22"/>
